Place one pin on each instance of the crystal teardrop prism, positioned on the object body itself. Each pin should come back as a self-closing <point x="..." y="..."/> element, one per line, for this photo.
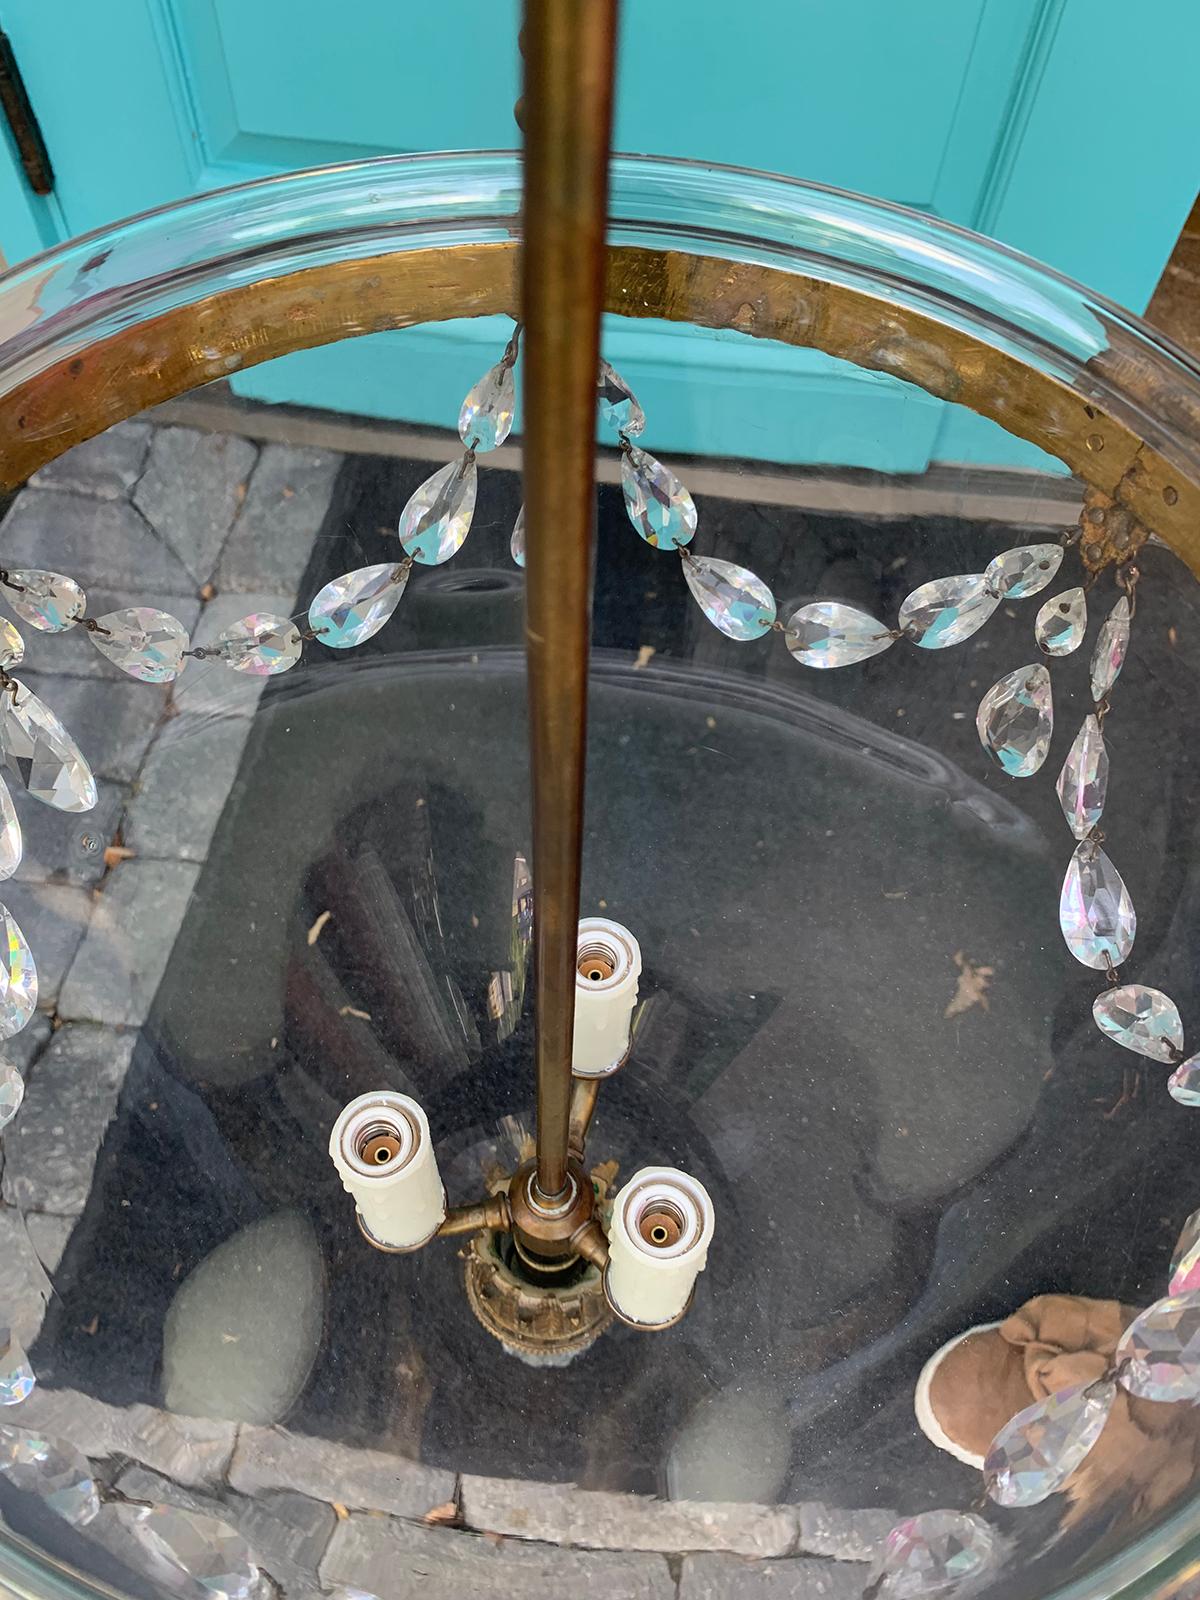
<point x="1016" y="718"/>
<point x="145" y="643"/>
<point x="1159" y="1352"/>
<point x="657" y="504"/>
<point x="12" y="1092"/>
<point x="486" y="418"/>
<point x="947" y="611"/>
<point x="1017" y="574"/>
<point x="516" y="544"/>
<point x="1062" y="622"/>
<point x="1141" y="1019"/>
<point x="18" y="977"/>
<point x="12" y="646"/>
<point x="16" y="1375"/>
<point x="1109" y="655"/>
<point x="1184" y="1086"/>
<point x="618" y="403"/>
<point x="933" y="1552"/>
<point x="260" y="644"/>
<point x="12" y="846"/>
<point x="1035" y="1453"/>
<point x="438" y="515"/>
<point x="731" y="597"/>
<point x="186" y="1548"/>
<point x="354" y="607"/>
<point x="1185" y="1260"/>
<point x="827" y="634"/>
<point x="38" y="750"/>
<point x="1083" y="782"/>
<point x="47" y="601"/>
<point x="1094" y="910"/>
<point x="52" y="1469"/>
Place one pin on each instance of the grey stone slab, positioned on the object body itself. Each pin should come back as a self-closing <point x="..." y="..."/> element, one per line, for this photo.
<point x="190" y="1450"/>
<point x="105" y="543"/>
<point x="854" y="1535"/>
<point x="183" y="786"/>
<point x="400" y="1559"/>
<point x="208" y="688"/>
<point x="716" y="1577"/>
<point x="272" y="539"/>
<point x="49" y="1236"/>
<point x="73" y="652"/>
<point x="24" y="1048"/>
<point x="367" y="1480"/>
<point x="54" y="918"/>
<point x="67" y="847"/>
<point x="107" y="466"/>
<point x="111" y="722"/>
<point x="559" y="1513"/>
<point x="191" y="490"/>
<point x="123" y="956"/>
<point x="23" y="1282"/>
<point x="50" y="1148"/>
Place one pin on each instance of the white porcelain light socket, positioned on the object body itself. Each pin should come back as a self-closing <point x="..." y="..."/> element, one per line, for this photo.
<point x="608" y="965"/>
<point x="662" y="1222"/>
<point x="381" y="1146"/>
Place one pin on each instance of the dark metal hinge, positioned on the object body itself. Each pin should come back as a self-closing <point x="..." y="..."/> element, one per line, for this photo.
<point x="14" y="102"/>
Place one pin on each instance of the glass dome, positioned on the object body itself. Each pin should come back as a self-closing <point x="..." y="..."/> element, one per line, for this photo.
<point x="858" y="1025"/>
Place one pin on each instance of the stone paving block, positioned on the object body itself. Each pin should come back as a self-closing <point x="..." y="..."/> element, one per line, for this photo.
<point x="854" y="1535"/>
<point x="717" y="1577"/>
<point x="50" y="1148"/>
<point x="269" y="546"/>
<point x="207" y="688"/>
<point x="64" y="846"/>
<point x="400" y="1559"/>
<point x="73" y="653"/>
<point x="191" y="490"/>
<point x="107" y="466"/>
<point x="111" y="722"/>
<point x="103" y="543"/>
<point x="183" y="786"/>
<point x="367" y="1480"/>
<point x="23" y="1283"/>
<point x="121" y="960"/>
<point x="24" y="1048"/>
<point x="49" y="1236"/>
<point x="190" y="1450"/>
<point x="559" y="1513"/>
<point x="54" y="918"/>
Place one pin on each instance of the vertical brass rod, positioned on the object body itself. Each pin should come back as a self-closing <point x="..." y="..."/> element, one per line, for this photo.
<point x="570" y="48"/>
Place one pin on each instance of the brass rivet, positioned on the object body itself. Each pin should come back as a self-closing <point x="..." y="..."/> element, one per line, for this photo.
<point x="1171" y="494"/>
<point x="1095" y="441"/>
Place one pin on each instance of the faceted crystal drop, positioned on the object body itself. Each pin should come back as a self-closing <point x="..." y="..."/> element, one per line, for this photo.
<point x="353" y="608"/>
<point x="1184" y="1086"/>
<point x="1033" y="1455"/>
<point x="517" y="543"/>
<point x="189" y="1545"/>
<point x="486" y="418"/>
<point x="933" y="1552"/>
<point x="827" y="634"/>
<point x="16" y="1375"/>
<point x="1109" y="655"/>
<point x="145" y="643"/>
<point x="1015" y="720"/>
<point x="657" y="504"/>
<point x="46" y="600"/>
<point x="437" y="518"/>
<point x="731" y="597"/>
<point x="947" y="611"/>
<point x="52" y="1469"/>
<point x="1062" y="622"/>
<point x="260" y="644"/>
<point x="1083" y="782"/>
<point x="1162" y="1349"/>
<point x="1142" y="1019"/>
<point x="18" y="977"/>
<point x="11" y="844"/>
<point x="1185" y="1263"/>
<point x="12" y="646"/>
<point x="1016" y="574"/>
<point x="12" y="1092"/>
<point x="618" y="404"/>
<point x="1094" y="910"/>
<point x="37" y="749"/>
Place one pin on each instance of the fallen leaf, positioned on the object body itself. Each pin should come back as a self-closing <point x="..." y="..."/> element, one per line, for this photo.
<point x="314" y="933"/>
<point x="90" y="1327"/>
<point x="114" y="854"/>
<point x="645" y="651"/>
<point x="493" y="1538"/>
<point x="341" y="1512"/>
<point x="972" y="986"/>
<point x="443" y="1516"/>
<point x="230" y="1338"/>
<point x="207" y="592"/>
<point x="239" y="494"/>
<point x="353" y="1011"/>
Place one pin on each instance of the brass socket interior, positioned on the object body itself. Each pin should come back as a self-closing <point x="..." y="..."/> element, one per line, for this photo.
<point x="544" y="1229"/>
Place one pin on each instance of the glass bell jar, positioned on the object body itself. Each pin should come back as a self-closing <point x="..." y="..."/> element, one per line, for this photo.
<point x="884" y="1279"/>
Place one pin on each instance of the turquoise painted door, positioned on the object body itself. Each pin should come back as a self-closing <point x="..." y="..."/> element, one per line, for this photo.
<point x="976" y="110"/>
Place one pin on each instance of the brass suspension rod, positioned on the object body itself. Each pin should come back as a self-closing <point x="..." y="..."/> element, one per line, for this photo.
<point x="569" y="48"/>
